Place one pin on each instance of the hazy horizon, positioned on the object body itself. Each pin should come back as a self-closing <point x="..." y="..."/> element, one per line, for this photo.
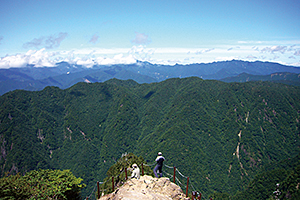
<point x="163" y="32"/>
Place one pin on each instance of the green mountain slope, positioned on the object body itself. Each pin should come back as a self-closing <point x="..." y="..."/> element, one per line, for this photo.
<point x="280" y="77"/>
<point x="219" y="134"/>
<point x="284" y="173"/>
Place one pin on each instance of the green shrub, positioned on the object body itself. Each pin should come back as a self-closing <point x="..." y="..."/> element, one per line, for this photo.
<point x="41" y="184"/>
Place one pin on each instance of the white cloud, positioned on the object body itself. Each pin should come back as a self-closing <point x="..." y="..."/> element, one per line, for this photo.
<point x="13" y="61"/>
<point x="250" y="42"/>
<point x="291" y="48"/>
<point x="274" y="49"/>
<point x="251" y="57"/>
<point x="263" y="57"/>
<point x="292" y="57"/>
<point x="280" y="49"/>
<point x="106" y="61"/>
<point x="141" y="38"/>
<point x="86" y="62"/>
<point x="297" y="52"/>
<point x="141" y="52"/>
<point x="173" y="50"/>
<point x="102" y="51"/>
<point x="48" y="42"/>
<point x="99" y="60"/>
<point x="38" y="58"/>
<point x="255" y="48"/>
<point x="173" y="62"/>
<point x="94" y="39"/>
<point x="232" y="48"/>
<point x="228" y="58"/>
<point x="41" y="58"/>
<point x="296" y="64"/>
<point x="204" y="51"/>
<point x="124" y="59"/>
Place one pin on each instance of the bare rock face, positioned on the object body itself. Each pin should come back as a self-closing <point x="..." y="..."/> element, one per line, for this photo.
<point x="147" y="188"/>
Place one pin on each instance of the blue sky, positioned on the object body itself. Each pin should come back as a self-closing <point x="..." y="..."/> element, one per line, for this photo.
<point x="43" y="32"/>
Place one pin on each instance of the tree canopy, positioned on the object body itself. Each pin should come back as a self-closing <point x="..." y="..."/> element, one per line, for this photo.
<point x="41" y="184"/>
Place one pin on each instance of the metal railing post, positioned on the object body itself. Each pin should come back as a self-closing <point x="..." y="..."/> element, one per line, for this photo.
<point x="187" y="186"/>
<point x="199" y="197"/>
<point x="174" y="175"/>
<point x="98" y="189"/>
<point x="194" y="195"/>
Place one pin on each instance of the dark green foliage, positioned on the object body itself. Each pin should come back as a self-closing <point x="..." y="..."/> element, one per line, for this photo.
<point x="290" y="187"/>
<point x="220" y="196"/>
<point x="219" y="134"/>
<point x="41" y="184"/>
<point x="285" y="173"/>
<point x="282" y="77"/>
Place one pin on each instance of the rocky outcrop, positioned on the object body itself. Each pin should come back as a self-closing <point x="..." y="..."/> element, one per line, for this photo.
<point x="147" y="188"/>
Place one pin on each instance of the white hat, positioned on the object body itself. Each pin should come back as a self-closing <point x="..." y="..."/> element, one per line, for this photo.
<point x="134" y="165"/>
<point x="159" y="153"/>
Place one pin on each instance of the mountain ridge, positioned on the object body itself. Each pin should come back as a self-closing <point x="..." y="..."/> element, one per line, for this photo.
<point x="279" y="77"/>
<point x="65" y="74"/>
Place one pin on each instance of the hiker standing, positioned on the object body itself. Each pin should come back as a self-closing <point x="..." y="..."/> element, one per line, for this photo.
<point x="159" y="159"/>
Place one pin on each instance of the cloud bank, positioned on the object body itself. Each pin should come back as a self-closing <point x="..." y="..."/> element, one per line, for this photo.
<point x="43" y="58"/>
<point x="47" y="42"/>
<point x="284" y="54"/>
<point x="38" y="58"/>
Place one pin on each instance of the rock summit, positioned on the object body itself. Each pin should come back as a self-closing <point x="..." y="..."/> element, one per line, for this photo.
<point x="147" y="188"/>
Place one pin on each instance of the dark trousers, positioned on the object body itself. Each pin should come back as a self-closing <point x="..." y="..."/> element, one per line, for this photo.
<point x="159" y="169"/>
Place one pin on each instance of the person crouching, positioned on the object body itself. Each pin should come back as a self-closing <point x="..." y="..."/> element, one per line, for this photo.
<point x="135" y="172"/>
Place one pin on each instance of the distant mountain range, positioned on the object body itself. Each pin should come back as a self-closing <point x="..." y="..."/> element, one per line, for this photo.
<point x="64" y="74"/>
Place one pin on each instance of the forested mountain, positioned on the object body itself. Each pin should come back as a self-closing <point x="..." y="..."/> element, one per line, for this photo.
<point x="219" y="134"/>
<point x="64" y="74"/>
<point x="282" y="177"/>
<point x="282" y="77"/>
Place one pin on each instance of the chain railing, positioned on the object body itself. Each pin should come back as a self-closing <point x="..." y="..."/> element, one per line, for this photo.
<point x="195" y="193"/>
